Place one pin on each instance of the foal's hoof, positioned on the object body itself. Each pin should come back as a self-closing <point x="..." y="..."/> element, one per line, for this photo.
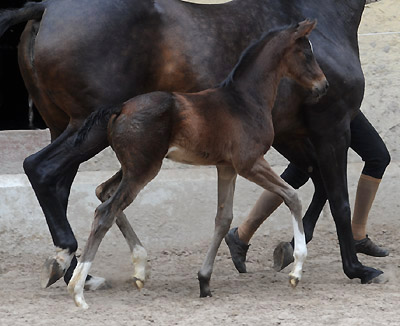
<point x="283" y="256"/>
<point x="205" y="290"/>
<point x="293" y="281"/>
<point x="138" y="283"/>
<point x="51" y="272"/>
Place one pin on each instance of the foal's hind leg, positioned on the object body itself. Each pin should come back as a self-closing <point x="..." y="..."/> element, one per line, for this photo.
<point x="226" y="189"/>
<point x="138" y="252"/>
<point x="105" y="217"/>
<point x="139" y="166"/>
<point x="262" y="174"/>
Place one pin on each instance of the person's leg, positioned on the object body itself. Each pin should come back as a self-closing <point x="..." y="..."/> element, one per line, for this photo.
<point x="265" y="205"/>
<point x="367" y="143"/>
<point x="366" y="191"/>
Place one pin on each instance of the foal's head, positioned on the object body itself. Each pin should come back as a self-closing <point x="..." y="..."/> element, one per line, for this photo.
<point x="299" y="61"/>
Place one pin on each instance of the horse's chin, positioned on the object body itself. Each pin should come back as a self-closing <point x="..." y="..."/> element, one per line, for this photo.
<point x="314" y="97"/>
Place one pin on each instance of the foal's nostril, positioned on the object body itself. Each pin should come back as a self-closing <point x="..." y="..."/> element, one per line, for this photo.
<point x="326" y="86"/>
<point x="322" y="88"/>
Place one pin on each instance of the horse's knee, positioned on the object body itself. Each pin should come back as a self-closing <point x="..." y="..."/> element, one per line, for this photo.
<point x="42" y="176"/>
<point x="37" y="175"/>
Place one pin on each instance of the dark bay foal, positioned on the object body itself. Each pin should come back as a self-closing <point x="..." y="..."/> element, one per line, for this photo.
<point x="229" y="126"/>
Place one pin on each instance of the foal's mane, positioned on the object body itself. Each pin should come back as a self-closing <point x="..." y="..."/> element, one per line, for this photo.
<point x="251" y="52"/>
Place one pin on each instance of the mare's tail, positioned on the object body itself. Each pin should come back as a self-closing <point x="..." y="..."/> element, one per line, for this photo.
<point x="31" y="11"/>
<point x="99" y="118"/>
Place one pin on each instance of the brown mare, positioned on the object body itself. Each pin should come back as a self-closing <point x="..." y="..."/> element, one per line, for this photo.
<point x="229" y="126"/>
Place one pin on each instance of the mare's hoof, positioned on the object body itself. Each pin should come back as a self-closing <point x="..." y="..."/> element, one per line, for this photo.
<point x="51" y="272"/>
<point x="374" y="276"/>
<point x="283" y="256"/>
<point x="238" y="250"/>
<point x="380" y="279"/>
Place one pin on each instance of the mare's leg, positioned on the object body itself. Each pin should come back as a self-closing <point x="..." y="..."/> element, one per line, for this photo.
<point x="138" y="252"/>
<point x="262" y="174"/>
<point x="51" y="172"/>
<point x="335" y="181"/>
<point x="226" y="189"/>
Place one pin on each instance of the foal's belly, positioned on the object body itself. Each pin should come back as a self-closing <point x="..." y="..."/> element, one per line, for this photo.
<point x="182" y="155"/>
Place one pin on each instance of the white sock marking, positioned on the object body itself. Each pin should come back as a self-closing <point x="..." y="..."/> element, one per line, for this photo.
<point x="77" y="283"/>
<point x="139" y="259"/>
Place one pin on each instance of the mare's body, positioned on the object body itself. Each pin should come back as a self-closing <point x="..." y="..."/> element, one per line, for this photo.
<point x="229" y="126"/>
<point x="77" y="55"/>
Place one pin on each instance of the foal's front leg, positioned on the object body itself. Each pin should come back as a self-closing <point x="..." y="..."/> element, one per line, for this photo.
<point x="262" y="174"/>
<point x="226" y="189"/>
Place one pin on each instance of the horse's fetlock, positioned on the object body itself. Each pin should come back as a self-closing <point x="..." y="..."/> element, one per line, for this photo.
<point x="70" y="246"/>
<point x="64" y="256"/>
<point x="204" y="277"/>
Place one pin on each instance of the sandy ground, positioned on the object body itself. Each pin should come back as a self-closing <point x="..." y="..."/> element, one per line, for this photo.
<point x="261" y="297"/>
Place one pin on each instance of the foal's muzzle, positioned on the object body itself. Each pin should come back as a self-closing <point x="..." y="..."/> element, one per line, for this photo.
<point x="319" y="89"/>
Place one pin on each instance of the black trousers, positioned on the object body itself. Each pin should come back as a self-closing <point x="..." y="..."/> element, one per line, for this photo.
<point x="365" y="141"/>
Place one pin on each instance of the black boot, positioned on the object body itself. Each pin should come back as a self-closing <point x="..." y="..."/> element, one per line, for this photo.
<point x="238" y="250"/>
<point x="367" y="247"/>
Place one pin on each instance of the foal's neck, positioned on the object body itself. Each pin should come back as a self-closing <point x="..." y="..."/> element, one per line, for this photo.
<point x="261" y="79"/>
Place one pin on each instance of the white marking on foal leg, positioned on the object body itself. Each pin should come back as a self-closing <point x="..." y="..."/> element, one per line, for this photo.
<point x="300" y="250"/>
<point x="141" y="268"/>
<point x="77" y="283"/>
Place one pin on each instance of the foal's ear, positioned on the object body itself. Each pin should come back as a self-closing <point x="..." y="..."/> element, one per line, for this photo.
<point x="304" y="28"/>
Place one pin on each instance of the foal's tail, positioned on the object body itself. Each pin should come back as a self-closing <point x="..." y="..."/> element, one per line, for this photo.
<point x="31" y="11"/>
<point x="99" y="118"/>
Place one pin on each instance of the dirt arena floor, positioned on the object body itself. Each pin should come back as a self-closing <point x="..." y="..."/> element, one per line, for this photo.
<point x="262" y="296"/>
